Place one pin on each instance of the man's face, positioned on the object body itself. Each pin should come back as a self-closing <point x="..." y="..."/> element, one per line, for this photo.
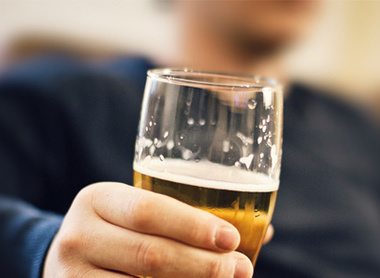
<point x="260" y="24"/>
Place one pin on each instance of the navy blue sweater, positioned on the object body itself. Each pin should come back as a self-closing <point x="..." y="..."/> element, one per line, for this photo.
<point x="65" y="124"/>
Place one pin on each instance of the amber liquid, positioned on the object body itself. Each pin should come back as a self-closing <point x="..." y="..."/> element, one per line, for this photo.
<point x="249" y="212"/>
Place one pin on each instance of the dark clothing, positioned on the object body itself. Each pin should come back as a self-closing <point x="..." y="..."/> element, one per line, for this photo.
<point x="65" y="124"/>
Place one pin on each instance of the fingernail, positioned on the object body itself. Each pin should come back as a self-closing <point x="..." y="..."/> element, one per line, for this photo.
<point x="226" y="238"/>
<point x="243" y="269"/>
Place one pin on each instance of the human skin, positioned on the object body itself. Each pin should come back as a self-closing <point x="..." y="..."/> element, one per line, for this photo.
<point x="115" y="230"/>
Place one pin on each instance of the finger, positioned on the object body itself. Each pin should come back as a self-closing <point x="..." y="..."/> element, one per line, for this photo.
<point x="269" y="234"/>
<point x="104" y="273"/>
<point x="131" y="252"/>
<point x="152" y="213"/>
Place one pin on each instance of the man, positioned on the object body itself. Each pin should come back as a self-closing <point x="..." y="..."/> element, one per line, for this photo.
<point x="67" y="125"/>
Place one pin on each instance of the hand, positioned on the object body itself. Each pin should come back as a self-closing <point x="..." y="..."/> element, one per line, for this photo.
<point x="115" y="230"/>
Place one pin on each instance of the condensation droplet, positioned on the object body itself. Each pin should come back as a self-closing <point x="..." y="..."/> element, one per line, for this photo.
<point x="181" y="137"/>
<point x="187" y="154"/>
<point x="226" y="145"/>
<point x="264" y="128"/>
<point x="202" y="122"/>
<point x="150" y="123"/>
<point x="155" y="141"/>
<point x="146" y="128"/>
<point x="269" y="142"/>
<point x="252" y="104"/>
<point x="261" y="155"/>
<point x="152" y="149"/>
<point x="166" y="134"/>
<point x="268" y="119"/>
<point x="190" y="121"/>
<point x="170" y="145"/>
<point x="259" y="140"/>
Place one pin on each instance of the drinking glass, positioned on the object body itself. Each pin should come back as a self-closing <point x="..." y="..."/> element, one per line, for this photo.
<point x="213" y="141"/>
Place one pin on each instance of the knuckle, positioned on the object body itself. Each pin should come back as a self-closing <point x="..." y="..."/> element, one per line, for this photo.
<point x="142" y="213"/>
<point x="69" y="243"/>
<point x="199" y="231"/>
<point x="150" y="257"/>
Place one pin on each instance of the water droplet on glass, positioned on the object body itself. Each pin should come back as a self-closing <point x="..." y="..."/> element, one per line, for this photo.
<point x="202" y="122"/>
<point x="259" y="140"/>
<point x="155" y="141"/>
<point x="268" y="119"/>
<point x="226" y="145"/>
<point x="162" y="158"/>
<point x="181" y="137"/>
<point x="152" y="149"/>
<point x="190" y="121"/>
<point x="261" y="155"/>
<point x="187" y="154"/>
<point x="252" y="104"/>
<point x="166" y="134"/>
<point x="150" y="123"/>
<point x="269" y="142"/>
<point x="170" y="145"/>
<point x="146" y="128"/>
<point x="264" y="128"/>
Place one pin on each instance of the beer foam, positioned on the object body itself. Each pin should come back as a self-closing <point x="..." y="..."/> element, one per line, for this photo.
<point x="206" y="174"/>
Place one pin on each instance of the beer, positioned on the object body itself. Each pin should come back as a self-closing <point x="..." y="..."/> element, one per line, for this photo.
<point x="243" y="198"/>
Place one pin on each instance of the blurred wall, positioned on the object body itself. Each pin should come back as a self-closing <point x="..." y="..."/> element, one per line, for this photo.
<point x="342" y="51"/>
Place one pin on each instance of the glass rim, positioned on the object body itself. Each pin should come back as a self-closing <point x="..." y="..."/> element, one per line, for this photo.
<point x="180" y="76"/>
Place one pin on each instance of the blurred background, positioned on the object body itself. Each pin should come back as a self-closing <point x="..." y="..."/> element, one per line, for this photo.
<point x="341" y="53"/>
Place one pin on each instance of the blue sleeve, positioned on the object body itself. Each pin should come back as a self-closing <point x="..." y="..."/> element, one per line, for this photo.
<point x="25" y="235"/>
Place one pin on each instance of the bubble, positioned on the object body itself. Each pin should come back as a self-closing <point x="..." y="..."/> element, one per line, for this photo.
<point x="190" y="121"/>
<point x="261" y="155"/>
<point x="259" y="140"/>
<point x="162" y="158"/>
<point x="181" y="137"/>
<point x="150" y="123"/>
<point x="252" y="104"/>
<point x="202" y="122"/>
<point x="166" y="134"/>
